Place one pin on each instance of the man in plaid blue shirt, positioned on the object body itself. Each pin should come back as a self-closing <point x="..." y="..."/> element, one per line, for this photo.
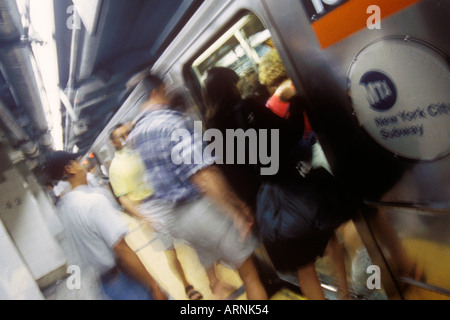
<point x="152" y="136"/>
<point x="204" y="211"/>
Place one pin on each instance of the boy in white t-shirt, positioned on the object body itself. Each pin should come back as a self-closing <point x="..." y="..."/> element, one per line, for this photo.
<point x="99" y="234"/>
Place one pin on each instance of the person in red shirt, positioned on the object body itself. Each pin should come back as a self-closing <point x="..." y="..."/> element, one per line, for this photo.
<point x="273" y="75"/>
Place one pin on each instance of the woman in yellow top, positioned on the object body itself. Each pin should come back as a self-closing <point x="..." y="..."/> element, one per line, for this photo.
<point x="132" y="188"/>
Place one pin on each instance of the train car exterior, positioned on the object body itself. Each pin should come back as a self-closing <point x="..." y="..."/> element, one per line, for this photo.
<point x="376" y="76"/>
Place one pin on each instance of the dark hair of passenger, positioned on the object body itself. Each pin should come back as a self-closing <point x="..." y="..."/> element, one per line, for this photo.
<point x="220" y="93"/>
<point x="111" y="132"/>
<point x="152" y="82"/>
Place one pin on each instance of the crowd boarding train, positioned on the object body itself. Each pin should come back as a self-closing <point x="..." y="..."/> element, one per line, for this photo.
<point x="375" y="75"/>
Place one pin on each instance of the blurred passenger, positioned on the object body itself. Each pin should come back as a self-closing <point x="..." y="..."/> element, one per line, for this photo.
<point x="127" y="178"/>
<point x="99" y="234"/>
<point x="249" y="86"/>
<point x="49" y="187"/>
<point x="227" y="110"/>
<point x="298" y="242"/>
<point x="96" y="183"/>
<point x="178" y="102"/>
<point x="61" y="188"/>
<point x="92" y="173"/>
<point x="273" y="75"/>
<point x="200" y="207"/>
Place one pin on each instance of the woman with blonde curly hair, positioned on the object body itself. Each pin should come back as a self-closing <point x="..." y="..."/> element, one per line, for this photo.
<point x="273" y="75"/>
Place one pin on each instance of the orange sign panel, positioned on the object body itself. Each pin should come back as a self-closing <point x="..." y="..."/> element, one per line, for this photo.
<point x="350" y="17"/>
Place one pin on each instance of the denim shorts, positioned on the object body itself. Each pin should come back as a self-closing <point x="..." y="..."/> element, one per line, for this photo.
<point x="122" y="286"/>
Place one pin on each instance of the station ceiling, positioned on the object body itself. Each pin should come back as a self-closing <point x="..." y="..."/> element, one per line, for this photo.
<point x="100" y="47"/>
<point x="116" y="39"/>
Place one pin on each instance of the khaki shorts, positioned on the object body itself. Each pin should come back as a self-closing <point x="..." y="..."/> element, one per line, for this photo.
<point x="211" y="233"/>
<point x="159" y="215"/>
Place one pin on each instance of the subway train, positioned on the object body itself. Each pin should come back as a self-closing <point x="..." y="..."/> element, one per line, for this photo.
<point x="363" y="67"/>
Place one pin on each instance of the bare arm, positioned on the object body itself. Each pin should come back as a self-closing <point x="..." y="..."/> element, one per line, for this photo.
<point x="214" y="184"/>
<point x="128" y="260"/>
<point x="130" y="206"/>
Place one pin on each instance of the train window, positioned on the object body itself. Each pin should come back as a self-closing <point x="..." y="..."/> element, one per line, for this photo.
<point x="240" y="48"/>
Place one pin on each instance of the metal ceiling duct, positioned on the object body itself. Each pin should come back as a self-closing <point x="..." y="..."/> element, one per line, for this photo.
<point x="10" y="21"/>
<point x="17" y="136"/>
<point x="83" y="53"/>
<point x="16" y="59"/>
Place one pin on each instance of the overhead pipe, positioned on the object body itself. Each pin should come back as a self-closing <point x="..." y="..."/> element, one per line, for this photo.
<point x="91" y="34"/>
<point x="83" y="52"/>
<point x="16" y="58"/>
<point x="69" y="93"/>
<point x="10" y="21"/>
<point x="16" y="134"/>
<point x="16" y="62"/>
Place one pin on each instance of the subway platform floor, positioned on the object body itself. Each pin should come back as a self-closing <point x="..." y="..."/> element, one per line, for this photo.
<point x="143" y="241"/>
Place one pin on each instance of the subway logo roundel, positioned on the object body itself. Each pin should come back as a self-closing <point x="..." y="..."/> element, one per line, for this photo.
<point x="380" y="90"/>
<point x="399" y="89"/>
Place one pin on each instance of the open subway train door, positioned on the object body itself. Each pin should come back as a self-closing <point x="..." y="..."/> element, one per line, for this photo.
<point x="377" y="76"/>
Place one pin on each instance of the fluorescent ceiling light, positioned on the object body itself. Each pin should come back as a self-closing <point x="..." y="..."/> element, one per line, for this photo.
<point x="42" y="28"/>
